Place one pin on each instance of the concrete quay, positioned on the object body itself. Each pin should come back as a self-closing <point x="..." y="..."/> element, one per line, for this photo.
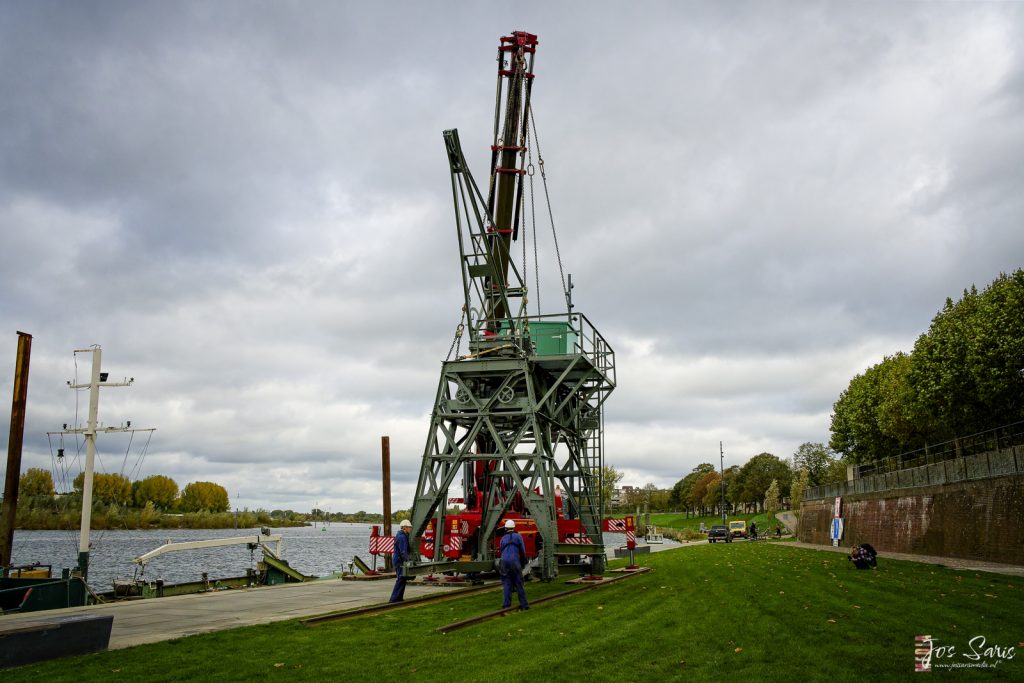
<point x="137" y="622"/>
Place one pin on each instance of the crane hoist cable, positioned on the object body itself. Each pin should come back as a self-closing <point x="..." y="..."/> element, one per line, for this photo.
<point x="551" y="216"/>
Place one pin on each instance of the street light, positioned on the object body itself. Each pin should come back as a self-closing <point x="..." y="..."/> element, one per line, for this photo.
<point x="721" y="464"/>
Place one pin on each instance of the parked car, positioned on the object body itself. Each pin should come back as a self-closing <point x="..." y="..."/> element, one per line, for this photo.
<point x="719" y="533"/>
<point x="738" y="529"/>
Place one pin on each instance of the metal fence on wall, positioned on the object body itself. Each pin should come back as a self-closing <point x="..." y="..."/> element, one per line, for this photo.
<point x="990" y="454"/>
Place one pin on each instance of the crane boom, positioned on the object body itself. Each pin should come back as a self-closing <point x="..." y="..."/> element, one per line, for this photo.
<point x="508" y="149"/>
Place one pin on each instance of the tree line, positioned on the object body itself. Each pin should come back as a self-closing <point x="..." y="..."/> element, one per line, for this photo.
<point x="158" y="491"/>
<point x="964" y="376"/>
<point x="764" y="482"/>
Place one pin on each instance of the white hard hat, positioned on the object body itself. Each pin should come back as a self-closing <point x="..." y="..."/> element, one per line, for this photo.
<point x="405" y="523"/>
<point x="509" y="524"/>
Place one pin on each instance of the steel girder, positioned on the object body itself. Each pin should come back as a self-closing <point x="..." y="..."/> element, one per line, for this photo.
<point x="537" y="425"/>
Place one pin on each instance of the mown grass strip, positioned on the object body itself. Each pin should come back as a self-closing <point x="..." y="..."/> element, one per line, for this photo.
<point x="568" y="592"/>
<point x="740" y="611"/>
<point x="455" y="594"/>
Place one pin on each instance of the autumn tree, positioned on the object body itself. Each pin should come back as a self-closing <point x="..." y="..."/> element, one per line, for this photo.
<point x="107" y="488"/>
<point x="771" y="498"/>
<point x="157" y="489"/>
<point x="36" y="482"/>
<point x="204" y="495"/>
<point x="680" y="495"/>
<point x="712" y="484"/>
<point x="708" y="481"/>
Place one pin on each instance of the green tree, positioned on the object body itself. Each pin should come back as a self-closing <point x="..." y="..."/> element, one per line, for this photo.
<point x="204" y="495"/>
<point x="835" y="474"/>
<point x="965" y="372"/>
<point x="36" y="482"/>
<point x="857" y="417"/>
<point x="157" y="489"/>
<point x="610" y="478"/>
<point x="814" y="459"/>
<point x="941" y="375"/>
<point x="997" y="353"/>
<point x="734" y="485"/>
<point x="758" y="474"/>
<point x="899" y="417"/>
<point x="797" y="488"/>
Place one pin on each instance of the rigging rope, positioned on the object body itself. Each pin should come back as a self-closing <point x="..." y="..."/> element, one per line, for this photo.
<point x="533" y="220"/>
<point x="547" y="198"/>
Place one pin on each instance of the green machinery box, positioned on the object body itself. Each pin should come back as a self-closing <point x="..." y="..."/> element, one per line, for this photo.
<point x="553" y="338"/>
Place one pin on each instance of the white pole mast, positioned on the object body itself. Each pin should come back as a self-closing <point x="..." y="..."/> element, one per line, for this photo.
<point x="90" y="458"/>
<point x="90" y="431"/>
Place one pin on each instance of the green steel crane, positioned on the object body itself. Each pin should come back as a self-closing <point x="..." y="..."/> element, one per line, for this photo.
<point x="517" y="424"/>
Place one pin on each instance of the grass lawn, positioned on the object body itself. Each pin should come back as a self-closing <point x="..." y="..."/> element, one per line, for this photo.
<point x="722" y="612"/>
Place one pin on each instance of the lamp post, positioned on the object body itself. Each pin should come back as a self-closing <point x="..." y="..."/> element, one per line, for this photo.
<point x="721" y="459"/>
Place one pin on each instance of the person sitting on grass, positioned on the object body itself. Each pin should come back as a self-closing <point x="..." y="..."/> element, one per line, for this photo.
<point x="863" y="557"/>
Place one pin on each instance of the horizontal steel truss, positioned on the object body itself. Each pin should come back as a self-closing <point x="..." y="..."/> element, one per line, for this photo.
<point x="538" y="427"/>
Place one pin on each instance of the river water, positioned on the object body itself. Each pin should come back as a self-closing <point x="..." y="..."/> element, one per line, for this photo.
<point x="317" y="550"/>
<point x="313" y="550"/>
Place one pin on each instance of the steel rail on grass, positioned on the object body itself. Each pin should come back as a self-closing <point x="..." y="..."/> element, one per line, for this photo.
<point x="574" y="591"/>
<point x="389" y="606"/>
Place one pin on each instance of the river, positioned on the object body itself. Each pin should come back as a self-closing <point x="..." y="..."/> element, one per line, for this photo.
<point x="315" y="550"/>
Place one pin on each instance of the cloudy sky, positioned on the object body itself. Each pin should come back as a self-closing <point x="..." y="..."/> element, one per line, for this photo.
<point x="247" y="204"/>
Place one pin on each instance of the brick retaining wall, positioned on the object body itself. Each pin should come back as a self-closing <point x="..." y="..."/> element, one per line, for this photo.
<point x="980" y="519"/>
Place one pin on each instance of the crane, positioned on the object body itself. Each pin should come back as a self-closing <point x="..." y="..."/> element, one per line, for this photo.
<point x="516" y="431"/>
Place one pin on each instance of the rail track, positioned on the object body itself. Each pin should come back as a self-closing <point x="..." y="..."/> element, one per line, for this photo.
<point x="461" y="593"/>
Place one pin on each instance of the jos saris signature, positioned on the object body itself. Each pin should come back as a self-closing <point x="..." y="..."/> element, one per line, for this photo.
<point x="979" y="653"/>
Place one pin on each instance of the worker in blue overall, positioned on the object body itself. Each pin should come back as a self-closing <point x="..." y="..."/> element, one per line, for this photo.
<point x="398" y="558"/>
<point x="513" y="559"/>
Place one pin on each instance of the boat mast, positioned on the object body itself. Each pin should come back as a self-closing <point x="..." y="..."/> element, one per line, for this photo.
<point x="96" y="380"/>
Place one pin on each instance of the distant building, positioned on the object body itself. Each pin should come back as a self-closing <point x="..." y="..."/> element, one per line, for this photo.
<point x="621" y="496"/>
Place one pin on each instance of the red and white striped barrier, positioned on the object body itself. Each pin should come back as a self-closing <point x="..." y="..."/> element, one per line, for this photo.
<point x="582" y="539"/>
<point x="382" y="545"/>
<point x="621" y="525"/>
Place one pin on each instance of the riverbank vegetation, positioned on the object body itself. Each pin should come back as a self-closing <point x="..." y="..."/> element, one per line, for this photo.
<point x="152" y="503"/>
<point x="743" y="611"/>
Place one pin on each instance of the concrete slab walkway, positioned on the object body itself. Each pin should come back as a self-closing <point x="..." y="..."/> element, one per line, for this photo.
<point x="149" y="621"/>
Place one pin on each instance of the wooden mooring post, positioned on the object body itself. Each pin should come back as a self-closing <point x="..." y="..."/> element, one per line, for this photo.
<point x="14" y="444"/>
